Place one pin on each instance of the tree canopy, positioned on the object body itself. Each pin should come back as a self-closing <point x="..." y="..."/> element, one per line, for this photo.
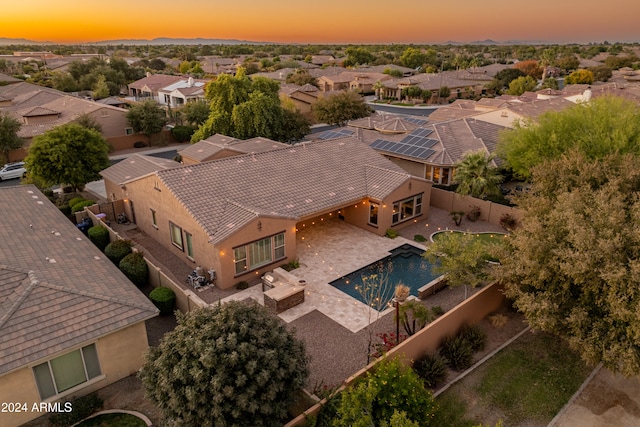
<point x="233" y="364"/>
<point x="477" y="176"/>
<point x="9" y="139"/>
<point x="602" y="126"/>
<point x="573" y="265"/>
<point x="339" y="108"/>
<point x="147" y="117"/>
<point x="68" y="154"/>
<point x="521" y="85"/>
<point x="579" y="77"/>
<point x="243" y="107"/>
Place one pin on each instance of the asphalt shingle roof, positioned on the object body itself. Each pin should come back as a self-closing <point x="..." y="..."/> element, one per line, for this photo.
<point x="57" y="290"/>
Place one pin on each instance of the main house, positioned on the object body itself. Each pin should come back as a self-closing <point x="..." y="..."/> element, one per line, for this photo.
<point x="70" y="321"/>
<point x="239" y="215"/>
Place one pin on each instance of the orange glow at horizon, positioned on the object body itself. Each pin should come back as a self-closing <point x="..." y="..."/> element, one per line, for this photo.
<point x="332" y="21"/>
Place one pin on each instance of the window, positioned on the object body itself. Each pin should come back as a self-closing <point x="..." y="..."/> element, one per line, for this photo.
<point x="261" y="252"/>
<point x="373" y="213"/>
<point x="104" y="113"/>
<point x="67" y="371"/>
<point x="407" y="209"/>
<point x="189" y="240"/>
<point x="176" y="236"/>
<point x="128" y="131"/>
<point x="154" y="220"/>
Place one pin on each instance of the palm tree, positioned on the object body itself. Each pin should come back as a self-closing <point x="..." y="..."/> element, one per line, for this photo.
<point x="378" y="86"/>
<point x="477" y="175"/>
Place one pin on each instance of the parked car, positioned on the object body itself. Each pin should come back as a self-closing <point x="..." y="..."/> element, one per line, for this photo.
<point x="12" y="170"/>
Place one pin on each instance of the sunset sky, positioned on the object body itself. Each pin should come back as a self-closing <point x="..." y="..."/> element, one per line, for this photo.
<point x="324" y="21"/>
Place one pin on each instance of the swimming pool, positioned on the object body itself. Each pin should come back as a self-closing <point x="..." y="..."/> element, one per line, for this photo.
<point x="404" y="264"/>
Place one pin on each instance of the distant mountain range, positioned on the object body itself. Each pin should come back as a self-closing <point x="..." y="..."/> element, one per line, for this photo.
<point x="6" y="41"/>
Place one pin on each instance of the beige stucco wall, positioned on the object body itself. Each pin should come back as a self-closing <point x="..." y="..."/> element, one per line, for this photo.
<point x="412" y="167"/>
<point x="489" y="211"/>
<point x="120" y="355"/>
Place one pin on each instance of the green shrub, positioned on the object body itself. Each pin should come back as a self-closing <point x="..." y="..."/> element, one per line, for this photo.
<point x="242" y="285"/>
<point x="419" y="238"/>
<point x="182" y="133"/>
<point x="432" y="368"/>
<point x="80" y="206"/>
<point x="82" y="408"/>
<point x="99" y="235"/>
<point x="117" y="250"/>
<point x="65" y="209"/>
<point x="139" y="144"/>
<point x="457" y="351"/>
<point x="391" y="233"/>
<point x="74" y="201"/>
<point x="475" y="336"/>
<point x="135" y="268"/>
<point x="437" y="310"/>
<point x="163" y="298"/>
<point x="291" y="265"/>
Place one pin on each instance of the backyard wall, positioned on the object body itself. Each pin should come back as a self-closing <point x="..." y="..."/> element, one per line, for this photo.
<point x="469" y="312"/>
<point x="489" y="211"/>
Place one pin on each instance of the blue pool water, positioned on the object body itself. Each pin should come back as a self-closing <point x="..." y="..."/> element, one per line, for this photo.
<point x="405" y="264"/>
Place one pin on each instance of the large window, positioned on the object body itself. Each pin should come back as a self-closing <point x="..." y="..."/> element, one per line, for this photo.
<point x="189" y="240"/>
<point x="261" y="252"/>
<point x="407" y="209"/>
<point x="67" y="371"/>
<point x="176" y="236"/>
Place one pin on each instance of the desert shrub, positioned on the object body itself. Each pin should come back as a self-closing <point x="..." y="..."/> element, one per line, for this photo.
<point x="80" y="206"/>
<point x="432" y="368"/>
<point x="475" y="336"/>
<point x="182" y="133"/>
<point x="99" y="235"/>
<point x="242" y="285"/>
<point x="498" y="320"/>
<point x="474" y="213"/>
<point x="65" y="209"/>
<point x="117" y="250"/>
<point x="419" y="238"/>
<point x="457" y="216"/>
<point x="391" y="233"/>
<point x="437" y="310"/>
<point x="508" y="221"/>
<point x="82" y="408"/>
<point x="457" y="352"/>
<point x="139" y="144"/>
<point x="74" y="201"/>
<point x="135" y="268"/>
<point x="163" y="298"/>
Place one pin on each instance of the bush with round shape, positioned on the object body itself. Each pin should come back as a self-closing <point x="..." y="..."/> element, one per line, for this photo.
<point x="99" y="235"/>
<point x="228" y="364"/>
<point x="65" y="209"/>
<point x="163" y="298"/>
<point x="135" y="268"/>
<point x="475" y="336"/>
<point x="117" y="250"/>
<point x="457" y="352"/>
<point x="80" y="206"/>
<point x="74" y="201"/>
<point x="432" y="368"/>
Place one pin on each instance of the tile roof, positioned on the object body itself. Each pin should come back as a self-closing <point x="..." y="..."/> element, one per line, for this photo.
<point x="155" y="82"/>
<point x="57" y="290"/>
<point x="135" y="167"/>
<point x="292" y="182"/>
<point x="203" y="150"/>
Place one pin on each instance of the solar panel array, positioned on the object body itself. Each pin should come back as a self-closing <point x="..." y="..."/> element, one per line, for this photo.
<point x="416" y="120"/>
<point x="335" y="133"/>
<point x="415" y="145"/>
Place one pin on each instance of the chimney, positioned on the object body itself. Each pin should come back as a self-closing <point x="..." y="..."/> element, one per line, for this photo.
<point x="586" y="95"/>
<point x="190" y="82"/>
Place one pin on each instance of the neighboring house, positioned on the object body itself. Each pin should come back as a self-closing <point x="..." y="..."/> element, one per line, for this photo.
<point x="40" y="109"/>
<point x="424" y="150"/>
<point x="239" y="215"/>
<point x="148" y="87"/>
<point x="219" y="146"/>
<point x="70" y="321"/>
<point x="303" y="97"/>
<point x="179" y="93"/>
<point x="362" y="82"/>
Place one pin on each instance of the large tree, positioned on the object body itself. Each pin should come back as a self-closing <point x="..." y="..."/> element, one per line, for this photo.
<point x="233" y="364"/>
<point x="244" y="107"/>
<point x="147" y="118"/>
<point x="477" y="175"/>
<point x="9" y="139"/>
<point x="521" y="85"/>
<point x="339" y="108"/>
<point x="604" y="125"/>
<point x="573" y="265"/>
<point x="69" y="154"/>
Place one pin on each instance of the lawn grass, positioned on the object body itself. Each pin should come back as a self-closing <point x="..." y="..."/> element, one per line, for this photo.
<point x="528" y="382"/>
<point x="113" y="420"/>
<point x="489" y="240"/>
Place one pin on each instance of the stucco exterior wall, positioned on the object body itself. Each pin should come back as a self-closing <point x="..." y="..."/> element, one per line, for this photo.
<point x="489" y="211"/>
<point x="120" y="355"/>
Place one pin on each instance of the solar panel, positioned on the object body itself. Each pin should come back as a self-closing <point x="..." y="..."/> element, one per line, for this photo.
<point x="421" y="132"/>
<point x="415" y="120"/>
<point x="431" y="142"/>
<point x="335" y="133"/>
<point x="428" y="154"/>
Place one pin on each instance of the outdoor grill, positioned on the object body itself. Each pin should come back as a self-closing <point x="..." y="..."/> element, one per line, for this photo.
<point x="268" y="281"/>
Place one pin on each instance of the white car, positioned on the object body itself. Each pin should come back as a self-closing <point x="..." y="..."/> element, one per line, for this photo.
<point x="12" y="170"/>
